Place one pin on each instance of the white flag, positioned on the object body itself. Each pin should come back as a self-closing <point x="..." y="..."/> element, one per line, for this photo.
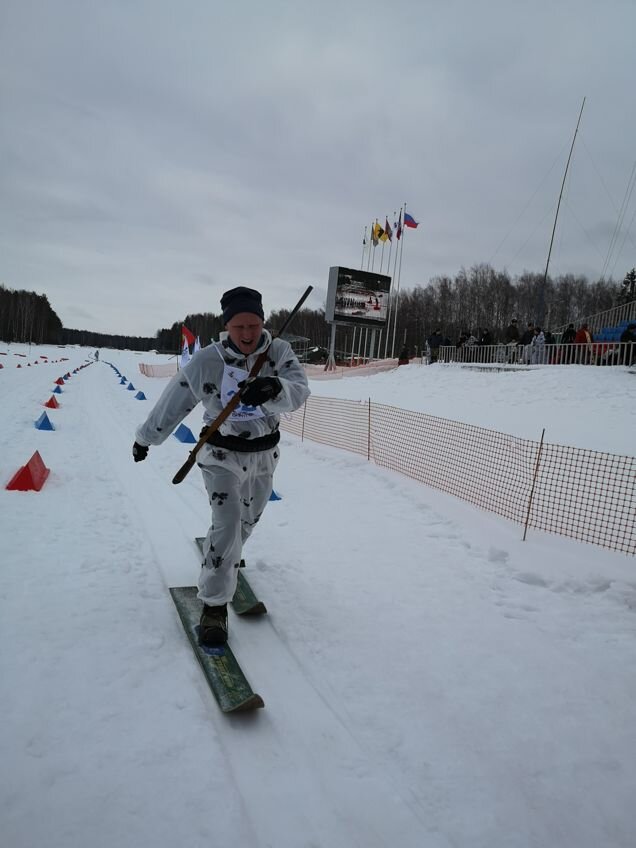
<point x="197" y="345"/>
<point x="185" y="354"/>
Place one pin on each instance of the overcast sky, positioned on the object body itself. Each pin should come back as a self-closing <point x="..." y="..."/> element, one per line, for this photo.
<point x="154" y="154"/>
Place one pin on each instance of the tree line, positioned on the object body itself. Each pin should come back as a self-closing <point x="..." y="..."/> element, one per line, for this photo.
<point x="308" y="323"/>
<point x="27" y="317"/>
<point x="87" y="338"/>
<point x="483" y="298"/>
<point x="473" y="300"/>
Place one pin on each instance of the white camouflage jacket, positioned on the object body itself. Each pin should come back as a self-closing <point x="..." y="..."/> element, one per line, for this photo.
<point x="200" y="381"/>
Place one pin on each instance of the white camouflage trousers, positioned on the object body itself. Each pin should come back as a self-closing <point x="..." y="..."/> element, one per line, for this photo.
<point x="238" y="487"/>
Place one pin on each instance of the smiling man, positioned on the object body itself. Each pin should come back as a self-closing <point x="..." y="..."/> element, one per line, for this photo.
<point x="239" y="459"/>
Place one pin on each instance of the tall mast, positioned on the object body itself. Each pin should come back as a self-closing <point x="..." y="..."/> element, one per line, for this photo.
<point x="541" y="309"/>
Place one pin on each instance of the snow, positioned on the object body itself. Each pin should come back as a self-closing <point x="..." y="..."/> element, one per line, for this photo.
<point x="429" y="678"/>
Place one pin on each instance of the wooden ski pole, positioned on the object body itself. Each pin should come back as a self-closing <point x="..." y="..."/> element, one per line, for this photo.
<point x="229" y="408"/>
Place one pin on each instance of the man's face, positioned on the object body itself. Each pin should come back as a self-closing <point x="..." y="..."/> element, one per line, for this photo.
<point x="245" y="330"/>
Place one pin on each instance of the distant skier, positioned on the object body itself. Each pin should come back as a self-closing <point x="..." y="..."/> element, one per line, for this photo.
<point x="96" y="356"/>
<point x="239" y="460"/>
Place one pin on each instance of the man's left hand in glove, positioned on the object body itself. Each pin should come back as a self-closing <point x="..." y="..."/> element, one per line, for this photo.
<point x="139" y="452"/>
<point x="259" y="390"/>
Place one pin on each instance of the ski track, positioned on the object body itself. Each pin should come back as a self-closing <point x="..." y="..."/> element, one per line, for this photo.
<point x="340" y="797"/>
<point x="369" y="747"/>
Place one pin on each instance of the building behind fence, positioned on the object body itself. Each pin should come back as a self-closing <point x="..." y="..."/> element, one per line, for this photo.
<point x="583" y="494"/>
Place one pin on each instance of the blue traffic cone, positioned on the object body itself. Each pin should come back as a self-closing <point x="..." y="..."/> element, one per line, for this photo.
<point x="43" y="423"/>
<point x="184" y="434"/>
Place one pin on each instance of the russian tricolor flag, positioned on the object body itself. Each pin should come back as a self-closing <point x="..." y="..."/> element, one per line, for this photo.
<point x="409" y="221"/>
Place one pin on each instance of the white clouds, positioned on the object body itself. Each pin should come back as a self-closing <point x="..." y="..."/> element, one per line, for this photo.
<point x="214" y="142"/>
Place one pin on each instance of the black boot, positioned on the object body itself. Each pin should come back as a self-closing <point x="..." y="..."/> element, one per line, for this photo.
<point x="213" y="626"/>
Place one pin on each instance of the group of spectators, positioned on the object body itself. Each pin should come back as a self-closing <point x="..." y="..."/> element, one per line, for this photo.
<point x="531" y="343"/>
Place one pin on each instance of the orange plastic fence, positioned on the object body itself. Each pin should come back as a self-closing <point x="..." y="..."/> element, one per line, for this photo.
<point x="583" y="494"/>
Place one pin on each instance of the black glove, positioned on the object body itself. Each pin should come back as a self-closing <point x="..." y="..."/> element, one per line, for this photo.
<point x="259" y="390"/>
<point x="140" y="452"/>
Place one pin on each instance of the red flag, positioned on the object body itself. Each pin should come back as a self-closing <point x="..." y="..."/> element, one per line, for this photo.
<point x="187" y="335"/>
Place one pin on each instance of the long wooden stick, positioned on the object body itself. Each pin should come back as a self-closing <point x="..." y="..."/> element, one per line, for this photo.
<point x="229" y="408"/>
<point x="534" y="480"/>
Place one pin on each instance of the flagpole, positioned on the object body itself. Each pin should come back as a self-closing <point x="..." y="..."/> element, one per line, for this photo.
<point x="382" y="256"/>
<point x="388" y="264"/>
<point x="392" y="304"/>
<point x="397" y="292"/>
<point x="364" y="242"/>
<point x="374" y="241"/>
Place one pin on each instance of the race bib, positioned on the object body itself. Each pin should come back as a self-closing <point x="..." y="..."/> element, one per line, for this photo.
<point x="232" y="376"/>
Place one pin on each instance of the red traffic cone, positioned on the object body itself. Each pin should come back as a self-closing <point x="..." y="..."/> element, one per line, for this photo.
<point x="31" y="476"/>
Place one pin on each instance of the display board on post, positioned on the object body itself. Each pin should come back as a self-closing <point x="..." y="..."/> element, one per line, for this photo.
<point x="356" y="298"/>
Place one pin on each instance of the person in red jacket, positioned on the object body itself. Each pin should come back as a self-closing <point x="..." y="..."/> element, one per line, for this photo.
<point x="584" y="337"/>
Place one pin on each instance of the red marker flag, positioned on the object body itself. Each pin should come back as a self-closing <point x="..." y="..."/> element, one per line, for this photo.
<point x="187" y="335"/>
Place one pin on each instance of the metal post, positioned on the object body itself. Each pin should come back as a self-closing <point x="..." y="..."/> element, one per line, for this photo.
<point x="331" y="359"/>
<point x="372" y="345"/>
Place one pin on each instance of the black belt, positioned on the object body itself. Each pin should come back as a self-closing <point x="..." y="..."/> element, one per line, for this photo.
<point x="237" y="443"/>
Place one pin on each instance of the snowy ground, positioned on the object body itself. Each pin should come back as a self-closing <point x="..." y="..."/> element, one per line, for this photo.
<point x="429" y="679"/>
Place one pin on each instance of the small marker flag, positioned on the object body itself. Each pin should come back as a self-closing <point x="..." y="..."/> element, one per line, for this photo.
<point x="187" y="335"/>
<point x="185" y="353"/>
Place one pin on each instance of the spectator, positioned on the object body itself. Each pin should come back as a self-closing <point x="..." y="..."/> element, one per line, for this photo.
<point x="538" y="347"/>
<point x="568" y="335"/>
<point x="435" y="342"/>
<point x="511" y="339"/>
<point x="527" y="337"/>
<point x="628" y="357"/>
<point x="403" y="358"/>
<point x="486" y="337"/>
<point x="584" y="337"/>
<point x="526" y="341"/>
<point x="511" y="335"/>
<point x="567" y="354"/>
<point x="550" y="356"/>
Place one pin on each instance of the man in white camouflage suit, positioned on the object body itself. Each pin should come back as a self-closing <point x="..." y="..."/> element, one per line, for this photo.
<point x="239" y="459"/>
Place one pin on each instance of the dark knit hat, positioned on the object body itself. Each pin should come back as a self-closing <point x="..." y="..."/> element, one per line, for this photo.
<point x="241" y="299"/>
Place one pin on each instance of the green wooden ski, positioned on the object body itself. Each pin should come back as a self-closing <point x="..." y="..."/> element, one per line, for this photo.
<point x="244" y="601"/>
<point x="222" y="671"/>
